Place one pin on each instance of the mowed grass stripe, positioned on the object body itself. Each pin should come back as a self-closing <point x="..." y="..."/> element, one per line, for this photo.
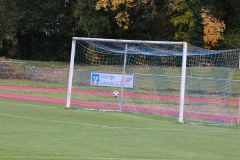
<point x="30" y="130"/>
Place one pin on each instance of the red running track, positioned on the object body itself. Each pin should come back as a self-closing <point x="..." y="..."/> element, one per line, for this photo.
<point x="143" y="96"/>
<point x="112" y="106"/>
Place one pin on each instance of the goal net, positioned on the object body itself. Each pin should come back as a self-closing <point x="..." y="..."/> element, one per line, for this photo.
<point x="172" y="79"/>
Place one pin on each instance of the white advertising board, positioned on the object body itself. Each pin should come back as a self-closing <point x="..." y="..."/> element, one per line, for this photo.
<point x="112" y="80"/>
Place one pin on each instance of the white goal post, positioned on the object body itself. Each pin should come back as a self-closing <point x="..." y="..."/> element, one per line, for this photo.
<point x="152" y="77"/>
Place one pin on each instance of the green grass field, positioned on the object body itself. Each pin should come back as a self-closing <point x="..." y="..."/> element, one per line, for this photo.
<point x="47" y="131"/>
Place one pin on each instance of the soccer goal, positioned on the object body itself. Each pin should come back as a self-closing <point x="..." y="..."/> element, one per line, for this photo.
<point x="172" y="79"/>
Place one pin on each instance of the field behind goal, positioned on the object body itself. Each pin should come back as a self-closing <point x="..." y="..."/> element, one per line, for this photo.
<point x="172" y="79"/>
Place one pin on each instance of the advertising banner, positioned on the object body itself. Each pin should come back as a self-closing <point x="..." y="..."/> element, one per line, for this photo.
<point x="112" y="80"/>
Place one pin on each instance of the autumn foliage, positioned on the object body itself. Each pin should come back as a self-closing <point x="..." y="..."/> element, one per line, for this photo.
<point x="213" y="29"/>
<point x="122" y="17"/>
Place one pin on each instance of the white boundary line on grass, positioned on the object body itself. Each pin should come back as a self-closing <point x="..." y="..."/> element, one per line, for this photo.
<point x="115" y="127"/>
<point x="123" y="115"/>
<point x="24" y="104"/>
<point x="58" y="157"/>
<point x="110" y="127"/>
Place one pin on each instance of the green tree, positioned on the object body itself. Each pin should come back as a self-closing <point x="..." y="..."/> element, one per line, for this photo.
<point x="8" y="26"/>
<point x="139" y="19"/>
<point x="96" y="23"/>
<point x="183" y="20"/>
<point x="229" y="12"/>
<point x="45" y="29"/>
<point x="231" y="40"/>
<point x="42" y="29"/>
<point x="150" y="21"/>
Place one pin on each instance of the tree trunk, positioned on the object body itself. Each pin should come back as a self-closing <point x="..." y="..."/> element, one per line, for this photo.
<point x="24" y="47"/>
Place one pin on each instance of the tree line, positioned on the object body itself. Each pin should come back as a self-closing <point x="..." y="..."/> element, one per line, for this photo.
<point x="43" y="29"/>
